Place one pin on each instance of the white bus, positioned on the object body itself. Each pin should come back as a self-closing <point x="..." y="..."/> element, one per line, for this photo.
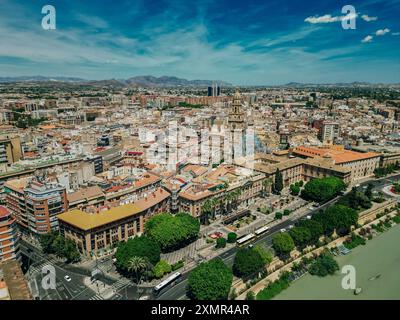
<point x="244" y="239"/>
<point x="261" y="230"/>
<point x="163" y="284"/>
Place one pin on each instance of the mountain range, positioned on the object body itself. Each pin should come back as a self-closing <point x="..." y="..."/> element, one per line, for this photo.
<point x="137" y="81"/>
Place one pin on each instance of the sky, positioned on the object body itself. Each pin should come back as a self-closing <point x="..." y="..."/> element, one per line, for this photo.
<point x="243" y="42"/>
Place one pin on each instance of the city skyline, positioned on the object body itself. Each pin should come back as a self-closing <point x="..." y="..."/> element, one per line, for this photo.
<point x="252" y="43"/>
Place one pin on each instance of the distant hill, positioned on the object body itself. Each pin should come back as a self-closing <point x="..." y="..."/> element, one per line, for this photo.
<point x="166" y="81"/>
<point x="338" y="84"/>
<point x="138" y="81"/>
<point x="39" y="79"/>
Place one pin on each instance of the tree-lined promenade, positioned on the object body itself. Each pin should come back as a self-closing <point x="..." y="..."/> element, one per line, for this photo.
<point x="278" y="267"/>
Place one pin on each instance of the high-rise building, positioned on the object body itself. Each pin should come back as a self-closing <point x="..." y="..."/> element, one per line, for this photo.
<point x="214" y="90"/>
<point x="328" y="131"/>
<point x="35" y="205"/>
<point x="10" y="151"/>
<point x="9" y="245"/>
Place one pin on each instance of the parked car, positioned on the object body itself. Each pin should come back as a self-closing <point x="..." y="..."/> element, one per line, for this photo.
<point x="67" y="278"/>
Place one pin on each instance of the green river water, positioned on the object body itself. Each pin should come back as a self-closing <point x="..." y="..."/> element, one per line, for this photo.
<point x="380" y="256"/>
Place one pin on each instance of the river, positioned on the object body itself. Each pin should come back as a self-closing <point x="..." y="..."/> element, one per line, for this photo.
<point x="380" y="256"/>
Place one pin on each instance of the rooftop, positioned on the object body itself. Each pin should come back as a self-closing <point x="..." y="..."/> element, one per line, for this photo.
<point x="15" y="280"/>
<point x="86" y="221"/>
<point x="337" y="154"/>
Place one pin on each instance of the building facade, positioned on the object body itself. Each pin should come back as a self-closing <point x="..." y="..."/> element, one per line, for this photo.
<point x="35" y="205"/>
<point x="96" y="232"/>
<point x="9" y="244"/>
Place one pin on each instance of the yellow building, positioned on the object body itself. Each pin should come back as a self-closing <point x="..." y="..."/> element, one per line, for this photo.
<point x="94" y="232"/>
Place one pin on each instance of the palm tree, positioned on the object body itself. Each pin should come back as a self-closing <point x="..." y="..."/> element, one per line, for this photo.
<point x="229" y="199"/>
<point x="265" y="185"/>
<point x="206" y="209"/>
<point x="236" y="194"/>
<point x="214" y="204"/>
<point x="138" y="265"/>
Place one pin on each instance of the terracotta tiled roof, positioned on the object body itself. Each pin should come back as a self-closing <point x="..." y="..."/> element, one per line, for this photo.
<point x="339" y="156"/>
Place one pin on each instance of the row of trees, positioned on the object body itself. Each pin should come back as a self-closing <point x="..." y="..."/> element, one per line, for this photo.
<point x="337" y="218"/>
<point x="212" y="280"/>
<point x="222" y="205"/>
<point x="384" y="171"/>
<point x="54" y="243"/>
<point x="357" y="199"/>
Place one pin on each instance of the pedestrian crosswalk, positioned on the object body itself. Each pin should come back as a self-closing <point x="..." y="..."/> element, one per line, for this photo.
<point x="37" y="268"/>
<point x="120" y="284"/>
<point x="96" y="297"/>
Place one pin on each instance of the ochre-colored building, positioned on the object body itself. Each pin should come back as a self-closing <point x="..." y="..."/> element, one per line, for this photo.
<point x="95" y="232"/>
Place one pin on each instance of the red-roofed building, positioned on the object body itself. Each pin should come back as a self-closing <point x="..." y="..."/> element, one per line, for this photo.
<point x="362" y="165"/>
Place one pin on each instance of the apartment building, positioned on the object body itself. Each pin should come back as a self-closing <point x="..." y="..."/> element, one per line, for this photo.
<point x="10" y="151"/>
<point x="35" y="204"/>
<point x="9" y="247"/>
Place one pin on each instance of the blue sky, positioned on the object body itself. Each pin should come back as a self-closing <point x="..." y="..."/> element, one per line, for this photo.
<point x="243" y="42"/>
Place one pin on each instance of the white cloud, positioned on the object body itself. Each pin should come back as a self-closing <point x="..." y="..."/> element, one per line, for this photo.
<point x="395" y="33"/>
<point x="327" y="18"/>
<point x="382" y="32"/>
<point x="323" y="19"/>
<point x="367" y="39"/>
<point x="367" y="18"/>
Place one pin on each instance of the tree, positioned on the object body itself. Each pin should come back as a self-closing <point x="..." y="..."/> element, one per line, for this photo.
<point x="356" y="199"/>
<point x="137" y="265"/>
<point x="250" y="295"/>
<point x="278" y="185"/>
<point x="294" y="189"/>
<point x="206" y="210"/>
<point x="301" y="236"/>
<point x="210" y="280"/>
<point x="368" y="191"/>
<point x="315" y="228"/>
<point x="46" y="241"/>
<point x="265" y="255"/>
<point x="323" y="189"/>
<point x="339" y="217"/>
<point x="139" y="246"/>
<point x="221" y="243"/>
<point x="278" y="215"/>
<point x="162" y="267"/>
<point x="283" y="243"/>
<point x="266" y="186"/>
<point x="247" y="262"/>
<point x="172" y="232"/>
<point x="232" y="237"/>
<point x="70" y="251"/>
<point x="324" y="265"/>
